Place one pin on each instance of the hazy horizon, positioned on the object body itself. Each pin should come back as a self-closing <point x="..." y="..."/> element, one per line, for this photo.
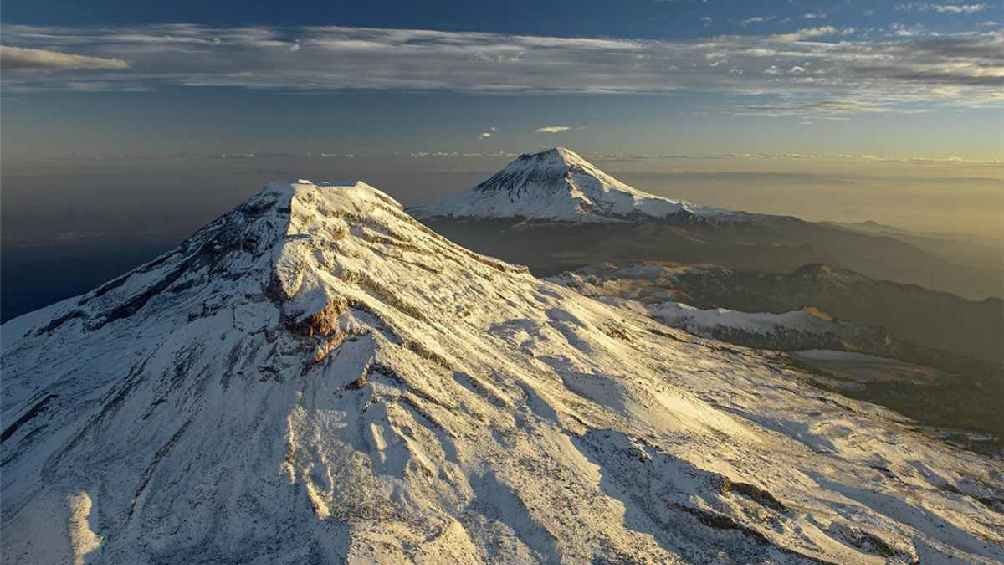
<point x="53" y="197"/>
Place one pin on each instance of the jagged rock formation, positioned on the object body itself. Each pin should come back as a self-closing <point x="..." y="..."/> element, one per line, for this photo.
<point x="317" y="377"/>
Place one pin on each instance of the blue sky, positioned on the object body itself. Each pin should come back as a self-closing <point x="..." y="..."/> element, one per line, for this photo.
<point x="657" y="19"/>
<point x="897" y="80"/>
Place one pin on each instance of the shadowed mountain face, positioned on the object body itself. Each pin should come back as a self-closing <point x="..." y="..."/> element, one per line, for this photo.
<point x="317" y="377"/>
<point x="770" y="244"/>
<point x="929" y="318"/>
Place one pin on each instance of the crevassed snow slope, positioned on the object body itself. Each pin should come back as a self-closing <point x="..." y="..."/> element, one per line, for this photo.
<point x="316" y="377"/>
<point x="558" y="184"/>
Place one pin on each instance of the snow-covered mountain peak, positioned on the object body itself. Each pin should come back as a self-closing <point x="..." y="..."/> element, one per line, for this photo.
<point x="317" y="377"/>
<point x="559" y="158"/>
<point x="293" y="246"/>
<point x="558" y="184"/>
<point x="552" y="166"/>
<point x="572" y="161"/>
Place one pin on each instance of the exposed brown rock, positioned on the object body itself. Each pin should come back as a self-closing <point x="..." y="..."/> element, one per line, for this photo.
<point x="324" y="322"/>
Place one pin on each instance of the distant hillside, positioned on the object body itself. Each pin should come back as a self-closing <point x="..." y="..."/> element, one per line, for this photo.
<point x="930" y="318"/>
<point x="770" y="244"/>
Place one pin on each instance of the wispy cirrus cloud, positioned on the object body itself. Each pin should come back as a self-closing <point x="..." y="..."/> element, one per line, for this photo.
<point x="755" y="20"/>
<point x="942" y="8"/>
<point x="805" y="34"/>
<point x="803" y="68"/>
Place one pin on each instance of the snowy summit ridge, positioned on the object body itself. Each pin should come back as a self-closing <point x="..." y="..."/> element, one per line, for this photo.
<point x="558" y="184"/>
<point x="316" y="377"/>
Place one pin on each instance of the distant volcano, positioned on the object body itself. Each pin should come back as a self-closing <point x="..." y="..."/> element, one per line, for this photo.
<point x="560" y="185"/>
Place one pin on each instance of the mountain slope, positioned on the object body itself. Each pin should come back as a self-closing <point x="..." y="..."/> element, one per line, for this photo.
<point x="932" y="319"/>
<point x="317" y="377"/>
<point x="936" y="333"/>
<point x="558" y="184"/>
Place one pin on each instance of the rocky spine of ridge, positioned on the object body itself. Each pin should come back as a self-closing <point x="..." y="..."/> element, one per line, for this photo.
<point x="317" y="377"/>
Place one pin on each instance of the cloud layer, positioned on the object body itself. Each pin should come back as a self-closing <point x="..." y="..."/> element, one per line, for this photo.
<point x="942" y="8"/>
<point x="16" y="58"/>
<point x="818" y="70"/>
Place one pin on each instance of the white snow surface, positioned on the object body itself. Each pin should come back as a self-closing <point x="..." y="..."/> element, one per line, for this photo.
<point x="558" y="184"/>
<point x="702" y="321"/>
<point x="315" y="377"/>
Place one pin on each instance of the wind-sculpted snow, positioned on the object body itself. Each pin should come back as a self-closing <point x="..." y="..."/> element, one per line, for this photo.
<point x="559" y="185"/>
<point x="316" y="378"/>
